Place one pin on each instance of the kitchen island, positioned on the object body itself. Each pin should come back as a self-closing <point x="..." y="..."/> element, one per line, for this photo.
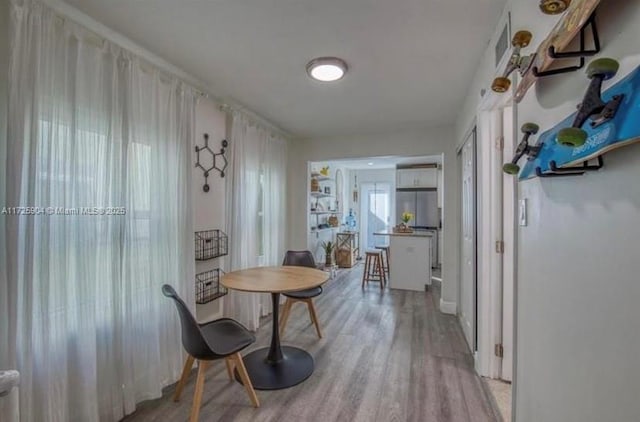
<point x="410" y="259"/>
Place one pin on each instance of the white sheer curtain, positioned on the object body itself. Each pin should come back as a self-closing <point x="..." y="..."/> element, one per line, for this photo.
<point x="92" y="126"/>
<point x="256" y="210"/>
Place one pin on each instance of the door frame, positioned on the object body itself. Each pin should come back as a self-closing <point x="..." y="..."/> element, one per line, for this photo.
<point x="492" y="229"/>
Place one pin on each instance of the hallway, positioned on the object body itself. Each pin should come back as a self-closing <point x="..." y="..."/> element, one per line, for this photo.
<point x="387" y="356"/>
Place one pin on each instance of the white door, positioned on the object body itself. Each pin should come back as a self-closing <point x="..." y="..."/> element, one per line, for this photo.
<point x="468" y="287"/>
<point x="375" y="213"/>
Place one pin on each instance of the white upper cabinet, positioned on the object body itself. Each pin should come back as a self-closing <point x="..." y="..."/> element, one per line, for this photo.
<point x="417" y="178"/>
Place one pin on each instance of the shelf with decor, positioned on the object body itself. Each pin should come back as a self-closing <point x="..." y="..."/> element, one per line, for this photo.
<point x="328" y="229"/>
<point x="322" y="178"/>
<point x="318" y="194"/>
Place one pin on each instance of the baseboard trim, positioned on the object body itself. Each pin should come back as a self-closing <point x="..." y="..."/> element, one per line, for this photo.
<point x="448" y="307"/>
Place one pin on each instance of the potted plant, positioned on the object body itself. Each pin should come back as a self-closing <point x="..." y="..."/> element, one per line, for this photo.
<point x="328" y="252"/>
<point x="406" y="217"/>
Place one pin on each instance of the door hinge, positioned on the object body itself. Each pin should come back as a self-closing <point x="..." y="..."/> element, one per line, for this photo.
<point x="499" y="246"/>
<point x="500" y="143"/>
<point x="499" y="350"/>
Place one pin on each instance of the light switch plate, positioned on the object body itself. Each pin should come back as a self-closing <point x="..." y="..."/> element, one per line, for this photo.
<point x="522" y="212"/>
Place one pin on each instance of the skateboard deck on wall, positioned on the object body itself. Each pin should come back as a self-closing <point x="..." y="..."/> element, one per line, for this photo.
<point x="623" y="129"/>
<point x="579" y="13"/>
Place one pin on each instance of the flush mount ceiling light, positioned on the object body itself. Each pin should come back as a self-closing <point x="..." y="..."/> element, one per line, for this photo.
<point x="327" y="69"/>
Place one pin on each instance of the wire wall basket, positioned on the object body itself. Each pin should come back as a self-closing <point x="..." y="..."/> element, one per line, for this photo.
<point x="211" y="244"/>
<point x="208" y="287"/>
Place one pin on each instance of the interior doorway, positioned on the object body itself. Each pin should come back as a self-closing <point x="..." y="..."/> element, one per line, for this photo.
<point x="375" y="213"/>
<point x="497" y="193"/>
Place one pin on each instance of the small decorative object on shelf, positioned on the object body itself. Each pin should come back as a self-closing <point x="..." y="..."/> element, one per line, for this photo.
<point x="328" y="252"/>
<point x="211" y="244"/>
<point x="217" y="161"/>
<point x="327" y="190"/>
<point x="208" y="286"/>
<point x="333" y="221"/>
<point x="351" y="221"/>
<point x="325" y="171"/>
<point x="315" y="185"/>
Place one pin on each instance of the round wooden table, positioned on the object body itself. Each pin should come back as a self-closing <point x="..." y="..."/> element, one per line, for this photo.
<point x="276" y="367"/>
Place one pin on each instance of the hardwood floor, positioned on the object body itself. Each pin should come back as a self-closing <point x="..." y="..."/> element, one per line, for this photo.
<point x="384" y="356"/>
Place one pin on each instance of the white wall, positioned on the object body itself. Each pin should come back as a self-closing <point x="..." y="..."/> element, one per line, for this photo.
<point x="209" y="207"/>
<point x="577" y="287"/>
<point x="404" y="143"/>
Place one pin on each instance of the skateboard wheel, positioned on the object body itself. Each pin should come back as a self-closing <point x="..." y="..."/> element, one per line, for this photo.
<point x="511" y="168"/>
<point x="572" y="137"/>
<point x="501" y="84"/>
<point x="530" y="128"/>
<point x="521" y="39"/>
<point x="554" y="7"/>
<point x="605" y="67"/>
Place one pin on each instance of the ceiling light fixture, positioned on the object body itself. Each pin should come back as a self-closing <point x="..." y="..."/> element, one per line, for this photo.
<point x="327" y="69"/>
<point x="369" y="164"/>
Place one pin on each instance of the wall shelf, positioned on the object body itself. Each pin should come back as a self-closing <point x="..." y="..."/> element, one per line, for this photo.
<point x="324" y="230"/>
<point x="321" y="178"/>
<point x="324" y="212"/>
<point x="321" y="195"/>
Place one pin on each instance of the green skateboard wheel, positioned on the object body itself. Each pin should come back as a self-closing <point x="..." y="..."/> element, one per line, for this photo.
<point x="605" y="67"/>
<point x="531" y="128"/>
<point x="511" y="168"/>
<point x="572" y="137"/>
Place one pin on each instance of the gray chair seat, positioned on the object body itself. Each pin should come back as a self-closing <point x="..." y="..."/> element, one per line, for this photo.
<point x="305" y="294"/>
<point x="230" y="336"/>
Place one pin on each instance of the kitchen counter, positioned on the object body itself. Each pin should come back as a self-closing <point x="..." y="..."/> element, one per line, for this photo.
<point x="417" y="233"/>
<point x="410" y="259"/>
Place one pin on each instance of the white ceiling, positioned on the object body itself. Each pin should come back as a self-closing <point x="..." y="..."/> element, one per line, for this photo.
<point x="378" y="163"/>
<point x="410" y="61"/>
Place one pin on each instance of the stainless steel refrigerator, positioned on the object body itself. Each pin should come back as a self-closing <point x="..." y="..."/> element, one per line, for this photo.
<point x="423" y="204"/>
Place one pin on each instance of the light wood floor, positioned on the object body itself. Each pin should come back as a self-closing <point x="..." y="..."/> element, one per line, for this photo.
<point x="385" y="356"/>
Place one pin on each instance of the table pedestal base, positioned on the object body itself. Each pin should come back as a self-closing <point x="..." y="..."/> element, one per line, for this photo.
<point x="296" y="366"/>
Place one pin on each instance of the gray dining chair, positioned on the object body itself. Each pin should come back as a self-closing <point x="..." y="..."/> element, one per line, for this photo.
<point x="301" y="259"/>
<point x="220" y="339"/>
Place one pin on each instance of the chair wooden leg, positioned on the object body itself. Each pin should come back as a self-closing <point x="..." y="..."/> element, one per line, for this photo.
<point x="197" y="395"/>
<point x="286" y="309"/>
<point x="229" y="364"/>
<point x="188" y="364"/>
<point x="366" y="270"/>
<point x="242" y="371"/>
<point x="380" y="271"/>
<point x="314" y="316"/>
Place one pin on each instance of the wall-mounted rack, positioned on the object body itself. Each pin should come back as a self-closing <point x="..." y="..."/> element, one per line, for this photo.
<point x="211" y="244"/>
<point x="570" y="171"/>
<point x="208" y="287"/>
<point x="581" y="53"/>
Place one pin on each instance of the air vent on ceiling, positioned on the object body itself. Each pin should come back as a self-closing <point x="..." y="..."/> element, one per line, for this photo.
<point x="503" y="44"/>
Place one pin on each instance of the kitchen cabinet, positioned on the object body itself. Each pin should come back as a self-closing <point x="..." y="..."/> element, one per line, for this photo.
<point x="417" y="178"/>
